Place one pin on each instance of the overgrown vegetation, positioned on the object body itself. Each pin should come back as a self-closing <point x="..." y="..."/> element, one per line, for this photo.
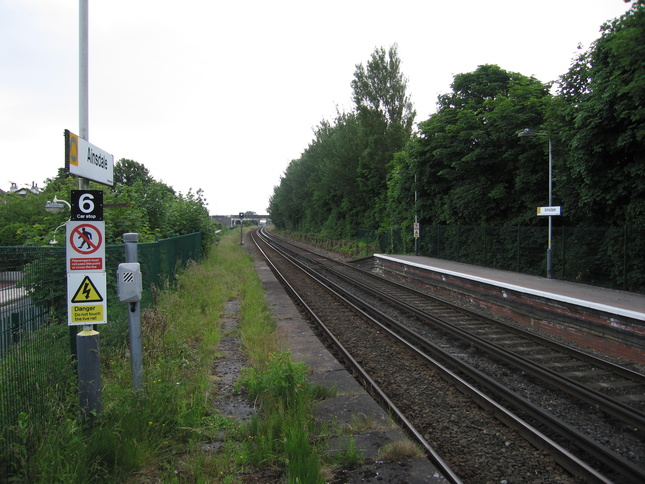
<point x="350" y="249"/>
<point x="169" y="433"/>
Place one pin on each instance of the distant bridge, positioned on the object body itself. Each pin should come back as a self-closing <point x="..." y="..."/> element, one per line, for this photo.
<point x="233" y="220"/>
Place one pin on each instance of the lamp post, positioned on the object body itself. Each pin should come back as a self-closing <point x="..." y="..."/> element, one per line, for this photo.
<point x="416" y="219"/>
<point x="549" y="248"/>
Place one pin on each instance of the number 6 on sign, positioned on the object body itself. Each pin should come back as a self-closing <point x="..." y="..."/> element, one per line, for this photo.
<point x="85" y="203"/>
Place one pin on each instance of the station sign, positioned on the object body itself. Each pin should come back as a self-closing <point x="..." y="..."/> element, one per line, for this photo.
<point x="86" y="301"/>
<point x="85" y="246"/>
<point x="417" y="230"/>
<point x="85" y="160"/>
<point x="549" y="211"/>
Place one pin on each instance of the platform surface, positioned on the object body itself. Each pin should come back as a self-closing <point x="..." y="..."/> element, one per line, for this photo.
<point x="622" y="303"/>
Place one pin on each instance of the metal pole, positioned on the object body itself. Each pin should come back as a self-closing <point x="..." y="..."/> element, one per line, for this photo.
<point x="83" y="79"/>
<point x="87" y="341"/>
<point x="416" y="219"/>
<point x="134" y="319"/>
<point x="89" y="372"/>
<point x="549" y="249"/>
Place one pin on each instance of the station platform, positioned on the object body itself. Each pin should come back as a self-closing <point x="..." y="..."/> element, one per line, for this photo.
<point x="606" y="320"/>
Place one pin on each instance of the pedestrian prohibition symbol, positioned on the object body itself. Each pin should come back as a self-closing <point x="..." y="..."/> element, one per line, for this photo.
<point x="85" y="239"/>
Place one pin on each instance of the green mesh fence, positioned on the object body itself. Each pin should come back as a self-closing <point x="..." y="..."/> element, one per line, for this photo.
<point x="37" y="346"/>
<point x="612" y="257"/>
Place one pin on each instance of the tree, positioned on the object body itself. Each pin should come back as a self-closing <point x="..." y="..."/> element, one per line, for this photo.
<point x="600" y="117"/>
<point x="386" y="115"/>
<point x="470" y="165"/>
<point x="340" y="180"/>
<point x="188" y="214"/>
<point x="22" y="219"/>
<point x="288" y="204"/>
<point x="137" y="203"/>
<point x="128" y="172"/>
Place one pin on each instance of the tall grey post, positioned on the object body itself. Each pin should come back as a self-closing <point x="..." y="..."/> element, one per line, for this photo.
<point x="134" y="319"/>
<point x="416" y="212"/>
<point x="89" y="372"/>
<point x="549" y="246"/>
<point x="87" y="341"/>
<point x="549" y="250"/>
<point x="83" y="79"/>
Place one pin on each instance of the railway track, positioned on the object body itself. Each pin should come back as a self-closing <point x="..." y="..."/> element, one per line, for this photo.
<point x="512" y="385"/>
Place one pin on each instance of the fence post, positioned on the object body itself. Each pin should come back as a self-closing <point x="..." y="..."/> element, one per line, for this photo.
<point x="15" y="327"/>
<point x="519" y="248"/>
<point x="625" y="234"/>
<point x="134" y="319"/>
<point x="485" y="248"/>
<point x="562" y="261"/>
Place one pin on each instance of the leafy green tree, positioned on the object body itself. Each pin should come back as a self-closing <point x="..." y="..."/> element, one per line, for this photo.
<point x="599" y="117"/>
<point x="319" y="192"/>
<point x="334" y="153"/>
<point x="188" y="214"/>
<point x="336" y="200"/>
<point x="471" y="168"/>
<point x="386" y="117"/>
<point x="19" y="218"/>
<point x="24" y="220"/>
<point x="137" y="203"/>
<point x="128" y="172"/>
<point x="288" y="202"/>
<point x="125" y="214"/>
<point x="133" y="180"/>
<point x="340" y="181"/>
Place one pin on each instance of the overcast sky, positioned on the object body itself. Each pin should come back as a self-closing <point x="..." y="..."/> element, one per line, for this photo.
<point x="222" y="95"/>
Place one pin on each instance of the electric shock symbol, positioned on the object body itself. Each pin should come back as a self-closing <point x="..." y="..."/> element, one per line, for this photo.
<point x="87" y="292"/>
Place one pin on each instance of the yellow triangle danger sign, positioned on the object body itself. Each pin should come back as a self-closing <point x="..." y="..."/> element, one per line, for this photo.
<point x="87" y="292"/>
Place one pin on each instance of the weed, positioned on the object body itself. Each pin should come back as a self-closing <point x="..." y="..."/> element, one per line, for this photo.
<point x="401" y="450"/>
<point x="349" y="456"/>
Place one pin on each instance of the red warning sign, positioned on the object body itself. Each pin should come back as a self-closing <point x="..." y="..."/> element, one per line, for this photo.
<point x="86" y="239"/>
<point x="85" y="248"/>
<point x="86" y="264"/>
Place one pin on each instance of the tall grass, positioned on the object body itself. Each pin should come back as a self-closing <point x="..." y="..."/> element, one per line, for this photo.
<point x="285" y="425"/>
<point x="171" y="432"/>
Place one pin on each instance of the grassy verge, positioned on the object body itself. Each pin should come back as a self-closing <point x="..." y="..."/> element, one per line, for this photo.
<point x="168" y="434"/>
